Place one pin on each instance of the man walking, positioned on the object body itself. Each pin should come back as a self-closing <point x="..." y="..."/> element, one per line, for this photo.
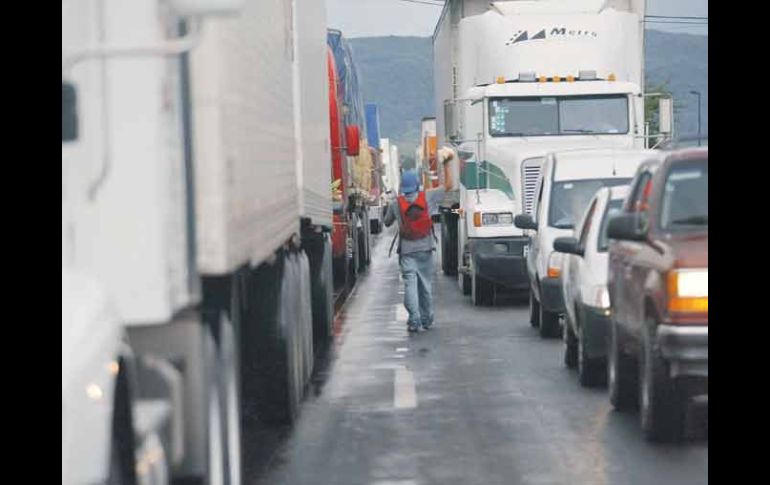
<point x="413" y="209"/>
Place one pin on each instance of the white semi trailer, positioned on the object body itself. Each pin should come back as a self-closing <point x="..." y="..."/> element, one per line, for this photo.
<point x="513" y="81"/>
<point x="196" y="218"/>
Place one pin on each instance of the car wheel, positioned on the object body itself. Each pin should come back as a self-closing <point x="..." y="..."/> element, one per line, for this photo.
<point x="570" y="346"/>
<point x="591" y="372"/>
<point x="662" y="405"/>
<point x="534" y="310"/>
<point x="620" y="374"/>
<point x="549" y="323"/>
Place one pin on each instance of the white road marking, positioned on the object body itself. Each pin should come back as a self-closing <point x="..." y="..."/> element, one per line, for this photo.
<point x="402" y="349"/>
<point x="404" y="393"/>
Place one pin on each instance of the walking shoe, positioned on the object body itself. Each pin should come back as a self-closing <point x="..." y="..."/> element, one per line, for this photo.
<point x="427" y="326"/>
<point x="413" y="328"/>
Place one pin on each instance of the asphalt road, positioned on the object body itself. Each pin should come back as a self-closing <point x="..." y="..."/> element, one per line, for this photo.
<point x="480" y="399"/>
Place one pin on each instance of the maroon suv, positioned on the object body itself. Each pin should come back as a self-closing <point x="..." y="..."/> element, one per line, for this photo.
<point x="658" y="286"/>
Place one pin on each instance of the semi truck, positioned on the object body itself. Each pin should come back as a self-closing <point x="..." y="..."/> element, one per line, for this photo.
<point x="351" y="164"/>
<point x="376" y="190"/>
<point x="390" y="166"/>
<point x="513" y="81"/>
<point x="196" y="230"/>
<point x="426" y="156"/>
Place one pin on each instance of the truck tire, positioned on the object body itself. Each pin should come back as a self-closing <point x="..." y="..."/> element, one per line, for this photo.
<point x="464" y="281"/>
<point x="448" y="244"/>
<point x="482" y="291"/>
<point x="621" y="375"/>
<point x="279" y="342"/>
<point x="122" y="459"/>
<point x="319" y="251"/>
<point x="662" y="404"/>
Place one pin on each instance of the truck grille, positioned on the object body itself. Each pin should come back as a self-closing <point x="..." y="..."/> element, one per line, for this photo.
<point x="530" y="174"/>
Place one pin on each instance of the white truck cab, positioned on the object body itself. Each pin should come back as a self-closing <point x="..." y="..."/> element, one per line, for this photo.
<point x="568" y="182"/>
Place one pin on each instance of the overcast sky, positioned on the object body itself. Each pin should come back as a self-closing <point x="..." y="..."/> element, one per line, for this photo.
<point x="368" y="18"/>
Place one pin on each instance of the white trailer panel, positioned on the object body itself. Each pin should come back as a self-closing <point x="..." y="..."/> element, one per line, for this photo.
<point x="311" y="97"/>
<point x="247" y="198"/>
<point x="123" y="193"/>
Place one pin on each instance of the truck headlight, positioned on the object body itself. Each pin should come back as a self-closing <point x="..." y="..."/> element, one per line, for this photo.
<point x="688" y="290"/>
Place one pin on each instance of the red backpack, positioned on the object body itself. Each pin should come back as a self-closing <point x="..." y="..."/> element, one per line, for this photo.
<point x="416" y="222"/>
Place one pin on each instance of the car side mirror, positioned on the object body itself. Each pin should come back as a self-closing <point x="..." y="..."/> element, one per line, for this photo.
<point x="628" y="227"/>
<point x="524" y="221"/>
<point x="568" y="245"/>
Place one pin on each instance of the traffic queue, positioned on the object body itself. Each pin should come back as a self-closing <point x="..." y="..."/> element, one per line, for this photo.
<point x="618" y="267"/>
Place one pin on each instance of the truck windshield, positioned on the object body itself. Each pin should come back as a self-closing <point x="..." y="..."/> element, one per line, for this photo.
<point x="569" y="199"/>
<point x="685" y="201"/>
<point x="558" y="115"/>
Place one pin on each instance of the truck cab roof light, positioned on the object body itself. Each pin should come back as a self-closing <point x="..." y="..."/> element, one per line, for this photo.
<point x="611" y="77"/>
<point x="527" y="77"/>
<point x="500" y="80"/>
<point x="542" y="79"/>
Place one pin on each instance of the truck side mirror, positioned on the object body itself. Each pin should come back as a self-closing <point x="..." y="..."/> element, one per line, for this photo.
<point x="568" y="245"/>
<point x="524" y="221"/>
<point x="665" y="116"/>
<point x="352" y="134"/>
<point x="626" y="227"/>
<point x="69" y="112"/>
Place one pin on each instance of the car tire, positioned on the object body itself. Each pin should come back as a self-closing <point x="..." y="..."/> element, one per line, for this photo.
<point x="549" y="323"/>
<point x="570" y="347"/>
<point x="591" y="372"/>
<point x="662" y="404"/>
<point x="534" y="310"/>
<point x="621" y="375"/>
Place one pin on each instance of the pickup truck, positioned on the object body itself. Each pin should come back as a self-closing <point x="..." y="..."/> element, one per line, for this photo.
<point x="658" y="289"/>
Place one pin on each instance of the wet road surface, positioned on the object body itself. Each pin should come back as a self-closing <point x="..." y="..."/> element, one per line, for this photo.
<point x="479" y="399"/>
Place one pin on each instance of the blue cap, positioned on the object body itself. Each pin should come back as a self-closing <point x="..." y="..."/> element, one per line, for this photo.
<point x="409" y="182"/>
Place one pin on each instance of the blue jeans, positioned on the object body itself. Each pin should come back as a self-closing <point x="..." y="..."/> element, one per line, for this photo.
<point x="417" y="272"/>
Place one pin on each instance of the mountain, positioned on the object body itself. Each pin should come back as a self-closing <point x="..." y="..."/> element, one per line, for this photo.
<point x="397" y="74"/>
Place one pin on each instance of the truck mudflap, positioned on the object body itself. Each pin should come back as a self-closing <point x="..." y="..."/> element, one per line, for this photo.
<point x="501" y="260"/>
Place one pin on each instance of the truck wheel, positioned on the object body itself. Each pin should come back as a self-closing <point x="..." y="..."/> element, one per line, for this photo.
<point x="464" y="281"/>
<point x="319" y="251"/>
<point x="570" y="347"/>
<point x="482" y="291"/>
<point x="122" y="449"/>
<point x="280" y="342"/>
<point x="662" y="405"/>
<point x="591" y="372"/>
<point x="534" y="310"/>
<point x="448" y="244"/>
<point x="620" y="374"/>
<point x="549" y="323"/>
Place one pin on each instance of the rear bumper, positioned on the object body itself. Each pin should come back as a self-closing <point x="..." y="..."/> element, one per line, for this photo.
<point x="501" y="260"/>
<point x="686" y="348"/>
<point x="551" y="296"/>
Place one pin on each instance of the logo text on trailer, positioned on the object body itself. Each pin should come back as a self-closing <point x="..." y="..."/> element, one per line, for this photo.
<point x="553" y="32"/>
